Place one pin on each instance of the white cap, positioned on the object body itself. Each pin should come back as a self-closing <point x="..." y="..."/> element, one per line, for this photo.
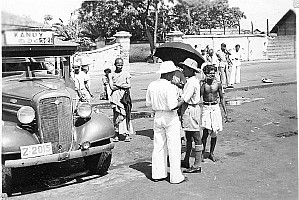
<point x="166" y="67"/>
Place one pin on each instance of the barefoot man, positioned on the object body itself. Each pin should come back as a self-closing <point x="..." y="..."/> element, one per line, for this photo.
<point x="212" y="93"/>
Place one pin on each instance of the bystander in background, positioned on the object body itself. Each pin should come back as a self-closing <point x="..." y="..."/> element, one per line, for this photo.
<point x="236" y="57"/>
<point x="121" y="101"/>
<point x="81" y="82"/>
<point x="106" y="85"/>
<point x="223" y="57"/>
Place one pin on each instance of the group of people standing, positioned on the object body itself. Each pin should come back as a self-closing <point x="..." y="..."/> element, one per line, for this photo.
<point x="228" y="63"/>
<point x="186" y="97"/>
<point x="194" y="107"/>
<point x="117" y="90"/>
<point x="81" y="79"/>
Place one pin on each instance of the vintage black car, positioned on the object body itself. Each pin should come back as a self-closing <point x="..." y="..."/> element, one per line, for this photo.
<point x="43" y="121"/>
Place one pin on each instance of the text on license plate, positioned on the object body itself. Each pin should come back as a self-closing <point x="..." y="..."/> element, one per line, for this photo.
<point x="36" y="150"/>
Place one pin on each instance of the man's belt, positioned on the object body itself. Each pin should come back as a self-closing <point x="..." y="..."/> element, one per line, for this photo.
<point x="210" y="103"/>
<point x="194" y="104"/>
<point x="164" y="110"/>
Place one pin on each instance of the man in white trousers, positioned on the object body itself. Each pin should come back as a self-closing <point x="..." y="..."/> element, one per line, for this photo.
<point x="235" y="76"/>
<point x="162" y="96"/>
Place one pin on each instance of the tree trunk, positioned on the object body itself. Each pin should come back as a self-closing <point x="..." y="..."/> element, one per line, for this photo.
<point x="156" y="27"/>
<point x="150" y="38"/>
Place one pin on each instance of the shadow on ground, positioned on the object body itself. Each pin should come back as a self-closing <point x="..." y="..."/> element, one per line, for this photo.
<point x="144" y="167"/>
<point x="148" y="133"/>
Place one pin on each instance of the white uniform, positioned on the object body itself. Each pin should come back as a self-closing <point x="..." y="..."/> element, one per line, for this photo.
<point x="162" y="96"/>
<point x="223" y="67"/>
<point x="235" y="76"/>
<point x="79" y="83"/>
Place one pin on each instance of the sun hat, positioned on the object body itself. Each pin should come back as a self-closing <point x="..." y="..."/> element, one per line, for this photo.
<point x="77" y="63"/>
<point x="191" y="64"/>
<point x="166" y="67"/>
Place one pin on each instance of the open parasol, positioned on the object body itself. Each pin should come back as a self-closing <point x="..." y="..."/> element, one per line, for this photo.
<point x="178" y="52"/>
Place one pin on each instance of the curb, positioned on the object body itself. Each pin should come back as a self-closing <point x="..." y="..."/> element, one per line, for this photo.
<point x="246" y="88"/>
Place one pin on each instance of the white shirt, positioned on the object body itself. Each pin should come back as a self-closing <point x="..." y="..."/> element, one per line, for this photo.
<point x="221" y="56"/>
<point x="236" y="57"/>
<point x="212" y="60"/>
<point x="191" y="91"/>
<point x="161" y="95"/>
<point x="79" y="80"/>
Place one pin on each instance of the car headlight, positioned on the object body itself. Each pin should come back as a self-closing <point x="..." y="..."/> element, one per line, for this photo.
<point x="26" y="114"/>
<point x="84" y="109"/>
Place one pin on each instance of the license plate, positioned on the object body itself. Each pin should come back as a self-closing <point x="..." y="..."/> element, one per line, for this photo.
<point x="36" y="150"/>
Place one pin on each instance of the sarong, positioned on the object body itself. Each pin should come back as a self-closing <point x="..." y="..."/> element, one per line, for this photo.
<point x="211" y="118"/>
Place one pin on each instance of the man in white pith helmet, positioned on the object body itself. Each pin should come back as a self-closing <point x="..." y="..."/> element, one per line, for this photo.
<point x="162" y="97"/>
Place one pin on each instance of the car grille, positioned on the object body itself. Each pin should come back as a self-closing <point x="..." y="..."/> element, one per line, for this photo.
<point x="55" y="116"/>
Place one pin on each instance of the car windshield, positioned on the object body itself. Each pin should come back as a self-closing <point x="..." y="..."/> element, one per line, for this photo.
<point x="37" y="68"/>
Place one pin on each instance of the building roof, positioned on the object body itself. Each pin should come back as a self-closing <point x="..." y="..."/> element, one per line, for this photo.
<point x="282" y="20"/>
<point x="11" y="21"/>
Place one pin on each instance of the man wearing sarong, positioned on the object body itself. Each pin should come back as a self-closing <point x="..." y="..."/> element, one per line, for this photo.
<point x="121" y="101"/>
<point x="191" y="114"/>
<point x="211" y="90"/>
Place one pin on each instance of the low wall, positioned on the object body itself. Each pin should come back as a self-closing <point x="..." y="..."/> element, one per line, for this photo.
<point x="253" y="47"/>
<point x="101" y="58"/>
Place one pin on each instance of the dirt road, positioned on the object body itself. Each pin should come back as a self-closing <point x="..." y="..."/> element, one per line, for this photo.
<point x="257" y="152"/>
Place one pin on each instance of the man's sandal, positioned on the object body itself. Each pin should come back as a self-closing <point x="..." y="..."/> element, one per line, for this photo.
<point x="127" y="139"/>
<point x="193" y="170"/>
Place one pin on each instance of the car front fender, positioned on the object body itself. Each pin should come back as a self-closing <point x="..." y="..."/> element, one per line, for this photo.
<point x="13" y="137"/>
<point x="98" y="128"/>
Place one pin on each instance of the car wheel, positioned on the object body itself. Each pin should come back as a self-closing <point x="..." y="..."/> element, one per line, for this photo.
<point x="6" y="180"/>
<point x="99" y="163"/>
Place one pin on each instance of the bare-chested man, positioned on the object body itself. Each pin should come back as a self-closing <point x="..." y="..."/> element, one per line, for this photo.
<point x="212" y="93"/>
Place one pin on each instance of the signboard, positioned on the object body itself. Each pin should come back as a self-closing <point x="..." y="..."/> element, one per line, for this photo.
<point x="29" y="37"/>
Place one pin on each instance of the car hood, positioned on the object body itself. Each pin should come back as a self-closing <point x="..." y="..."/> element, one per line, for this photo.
<point x="29" y="88"/>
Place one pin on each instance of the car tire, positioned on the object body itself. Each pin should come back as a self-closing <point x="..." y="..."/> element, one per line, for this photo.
<point x="98" y="163"/>
<point x="6" y="180"/>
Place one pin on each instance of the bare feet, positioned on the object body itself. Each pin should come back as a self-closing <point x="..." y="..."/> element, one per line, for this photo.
<point x="212" y="157"/>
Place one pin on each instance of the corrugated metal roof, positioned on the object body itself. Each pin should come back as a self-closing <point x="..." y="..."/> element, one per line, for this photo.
<point x="282" y="20"/>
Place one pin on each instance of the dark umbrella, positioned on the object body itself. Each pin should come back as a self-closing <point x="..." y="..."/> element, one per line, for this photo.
<point x="178" y="52"/>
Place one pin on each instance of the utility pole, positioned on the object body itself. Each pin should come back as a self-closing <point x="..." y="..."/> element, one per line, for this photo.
<point x="267" y="27"/>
